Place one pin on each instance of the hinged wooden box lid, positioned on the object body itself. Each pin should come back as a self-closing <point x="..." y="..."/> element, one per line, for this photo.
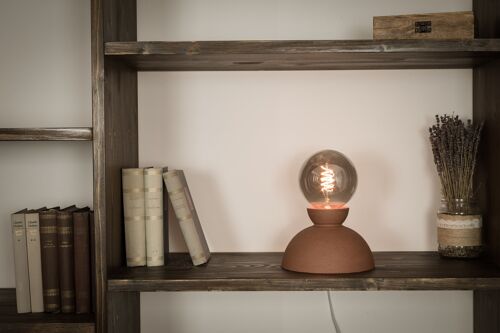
<point x="456" y="25"/>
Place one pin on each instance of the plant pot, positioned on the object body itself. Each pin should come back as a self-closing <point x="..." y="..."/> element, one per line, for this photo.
<point x="459" y="229"/>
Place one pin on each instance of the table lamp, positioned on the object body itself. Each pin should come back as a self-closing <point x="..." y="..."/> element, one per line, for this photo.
<point x="328" y="180"/>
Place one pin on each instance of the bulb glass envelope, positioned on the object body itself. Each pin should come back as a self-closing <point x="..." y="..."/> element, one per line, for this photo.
<point x="328" y="180"/>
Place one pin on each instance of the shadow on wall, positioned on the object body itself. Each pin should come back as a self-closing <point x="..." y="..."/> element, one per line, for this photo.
<point x="375" y="183"/>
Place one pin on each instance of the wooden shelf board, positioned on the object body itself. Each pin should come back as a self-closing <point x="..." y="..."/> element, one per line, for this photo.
<point x="12" y="322"/>
<point x="46" y="134"/>
<point x="262" y="271"/>
<point x="304" y="55"/>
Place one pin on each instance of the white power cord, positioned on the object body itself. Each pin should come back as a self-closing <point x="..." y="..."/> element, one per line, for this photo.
<point x="332" y="314"/>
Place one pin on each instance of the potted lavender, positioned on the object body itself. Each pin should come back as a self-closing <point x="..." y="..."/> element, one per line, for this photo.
<point x="454" y="146"/>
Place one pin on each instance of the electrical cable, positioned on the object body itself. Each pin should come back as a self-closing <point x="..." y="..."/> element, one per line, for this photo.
<point x="332" y="313"/>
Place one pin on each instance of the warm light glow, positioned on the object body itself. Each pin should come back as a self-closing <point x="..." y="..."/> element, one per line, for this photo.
<point x="327" y="181"/>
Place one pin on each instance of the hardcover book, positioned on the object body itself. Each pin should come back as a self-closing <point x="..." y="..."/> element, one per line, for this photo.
<point x="134" y="216"/>
<point x="92" y="261"/>
<point x="21" y="261"/>
<point x="82" y="261"/>
<point x="153" y="196"/>
<point x="50" y="260"/>
<point x="65" y="247"/>
<point x="187" y="217"/>
<point x="34" y="259"/>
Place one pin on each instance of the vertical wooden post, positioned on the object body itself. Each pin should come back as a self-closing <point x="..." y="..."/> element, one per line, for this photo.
<point x="486" y="85"/>
<point x="115" y="145"/>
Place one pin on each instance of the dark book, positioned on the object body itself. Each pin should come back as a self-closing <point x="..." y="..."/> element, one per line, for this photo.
<point x="165" y="224"/>
<point x="82" y="261"/>
<point x="50" y="260"/>
<point x="92" y="261"/>
<point x="66" y="258"/>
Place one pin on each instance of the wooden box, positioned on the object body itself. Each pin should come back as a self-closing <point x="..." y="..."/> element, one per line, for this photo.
<point x="456" y="25"/>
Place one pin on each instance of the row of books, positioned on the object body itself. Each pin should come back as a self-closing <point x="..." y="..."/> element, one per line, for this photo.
<point x="52" y="257"/>
<point x="145" y="216"/>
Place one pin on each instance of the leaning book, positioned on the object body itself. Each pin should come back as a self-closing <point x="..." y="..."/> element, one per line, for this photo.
<point x="182" y="203"/>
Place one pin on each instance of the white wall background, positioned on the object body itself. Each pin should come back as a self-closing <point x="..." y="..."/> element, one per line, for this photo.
<point x="241" y="137"/>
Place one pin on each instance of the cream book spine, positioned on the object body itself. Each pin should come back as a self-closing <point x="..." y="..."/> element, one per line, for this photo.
<point x="34" y="261"/>
<point x="133" y="206"/>
<point x="182" y="203"/>
<point x="21" y="262"/>
<point x="153" y="201"/>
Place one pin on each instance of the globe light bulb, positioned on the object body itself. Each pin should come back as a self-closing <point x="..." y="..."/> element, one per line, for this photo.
<point x="328" y="180"/>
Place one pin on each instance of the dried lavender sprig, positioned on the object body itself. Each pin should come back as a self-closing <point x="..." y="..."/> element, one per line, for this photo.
<point x="454" y="147"/>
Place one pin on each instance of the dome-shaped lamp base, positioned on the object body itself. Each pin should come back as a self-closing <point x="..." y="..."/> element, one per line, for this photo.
<point x="328" y="247"/>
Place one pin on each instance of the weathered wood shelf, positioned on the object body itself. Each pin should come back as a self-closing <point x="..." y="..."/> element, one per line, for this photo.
<point x="46" y="134"/>
<point x="304" y="55"/>
<point x="12" y="322"/>
<point x="262" y="271"/>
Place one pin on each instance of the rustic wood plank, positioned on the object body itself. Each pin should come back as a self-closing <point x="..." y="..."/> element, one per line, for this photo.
<point x="124" y="312"/>
<point x="304" y="55"/>
<point x="262" y="271"/>
<point x="46" y="134"/>
<point x="114" y="104"/>
<point x="486" y="107"/>
<point x="12" y="322"/>
<point x="486" y="311"/>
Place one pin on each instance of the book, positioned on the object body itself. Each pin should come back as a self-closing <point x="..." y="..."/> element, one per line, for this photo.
<point x="153" y="208"/>
<point x="34" y="259"/>
<point x="50" y="260"/>
<point x="134" y="216"/>
<point x="65" y="249"/>
<point x="184" y="209"/>
<point x="82" y="260"/>
<point x="92" y="261"/>
<point x="21" y="269"/>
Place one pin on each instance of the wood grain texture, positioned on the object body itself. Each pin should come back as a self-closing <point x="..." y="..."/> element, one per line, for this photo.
<point x="114" y="104"/>
<point x="303" y="55"/>
<point x="486" y="107"/>
<point x="453" y="25"/>
<point x="487" y="320"/>
<point x="12" y="322"/>
<point x="124" y="312"/>
<point x="46" y="134"/>
<point x="262" y="271"/>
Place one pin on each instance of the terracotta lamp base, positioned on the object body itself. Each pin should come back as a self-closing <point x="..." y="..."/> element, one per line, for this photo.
<point x="328" y="247"/>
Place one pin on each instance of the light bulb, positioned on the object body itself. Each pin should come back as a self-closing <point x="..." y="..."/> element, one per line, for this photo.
<point x="328" y="180"/>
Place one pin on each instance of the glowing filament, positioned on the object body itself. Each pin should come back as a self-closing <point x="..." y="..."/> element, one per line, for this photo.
<point x="327" y="180"/>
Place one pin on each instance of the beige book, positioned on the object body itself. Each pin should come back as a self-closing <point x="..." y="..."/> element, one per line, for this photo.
<point x="21" y="262"/>
<point x="34" y="260"/>
<point x="133" y="206"/>
<point x="182" y="203"/>
<point x="153" y="201"/>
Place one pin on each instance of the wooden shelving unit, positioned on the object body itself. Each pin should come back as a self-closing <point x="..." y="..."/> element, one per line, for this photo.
<point x="303" y="54"/>
<point x="117" y="56"/>
<point x="262" y="272"/>
<point x="46" y="134"/>
<point x="12" y="322"/>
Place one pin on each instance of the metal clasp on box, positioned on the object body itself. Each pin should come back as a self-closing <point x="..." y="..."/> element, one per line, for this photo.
<point x="423" y="27"/>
